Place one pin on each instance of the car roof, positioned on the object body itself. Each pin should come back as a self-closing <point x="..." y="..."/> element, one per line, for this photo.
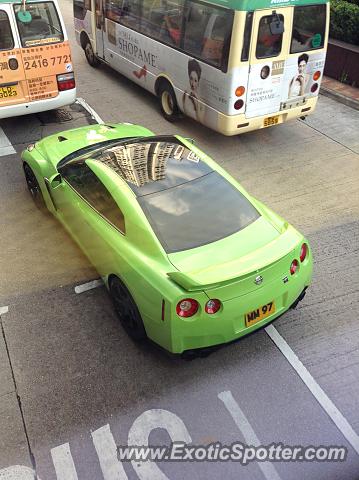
<point x="150" y="164"/>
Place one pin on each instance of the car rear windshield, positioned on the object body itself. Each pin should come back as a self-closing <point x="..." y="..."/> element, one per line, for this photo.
<point x="197" y="213"/>
<point x="44" y="26"/>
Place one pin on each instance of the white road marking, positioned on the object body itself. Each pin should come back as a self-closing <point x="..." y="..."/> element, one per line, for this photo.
<point x="89" y="286"/>
<point x="139" y="434"/>
<point x="268" y="470"/>
<point x="338" y="418"/>
<point x="106" y="449"/>
<point x="91" y="111"/>
<point x="5" y="145"/>
<point x="63" y="462"/>
<point x="3" y="310"/>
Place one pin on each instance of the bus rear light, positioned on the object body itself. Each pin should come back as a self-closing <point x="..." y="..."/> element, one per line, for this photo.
<point x="294" y="267"/>
<point x="303" y="252"/>
<point x="187" y="307"/>
<point x="240" y="91"/>
<point x="212" y="306"/>
<point x="65" y="81"/>
<point x="316" y="76"/>
<point x="314" y="87"/>
<point x="239" y="104"/>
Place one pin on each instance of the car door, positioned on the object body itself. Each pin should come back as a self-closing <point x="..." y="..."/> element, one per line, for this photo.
<point x="92" y="216"/>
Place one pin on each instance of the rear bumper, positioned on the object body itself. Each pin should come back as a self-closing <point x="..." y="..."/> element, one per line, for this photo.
<point x="203" y="330"/>
<point x="63" y="98"/>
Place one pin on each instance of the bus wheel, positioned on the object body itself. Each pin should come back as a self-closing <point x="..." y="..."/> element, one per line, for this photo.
<point x="168" y="102"/>
<point x="90" y="55"/>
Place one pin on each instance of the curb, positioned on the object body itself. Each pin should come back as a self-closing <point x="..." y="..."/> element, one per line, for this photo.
<point x="350" y="102"/>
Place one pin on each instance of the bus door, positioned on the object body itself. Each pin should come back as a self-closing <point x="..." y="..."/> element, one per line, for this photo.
<point x="268" y="53"/>
<point x="13" y="86"/>
<point x="100" y="28"/>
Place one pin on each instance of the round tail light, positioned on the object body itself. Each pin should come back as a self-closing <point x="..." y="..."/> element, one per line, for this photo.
<point x="240" y="91"/>
<point x="303" y="252"/>
<point x="314" y="87"/>
<point x="294" y="267"/>
<point x="238" y="104"/>
<point x="212" y="306"/>
<point x="187" y="307"/>
<point x="316" y="76"/>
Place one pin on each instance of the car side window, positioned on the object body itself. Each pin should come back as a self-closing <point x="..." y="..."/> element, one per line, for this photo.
<point x="88" y="185"/>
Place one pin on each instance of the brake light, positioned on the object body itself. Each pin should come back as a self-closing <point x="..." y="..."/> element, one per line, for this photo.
<point x="212" y="306"/>
<point x="240" y="91"/>
<point x="303" y="252"/>
<point x="316" y="76"/>
<point x="187" y="307"/>
<point x="65" y="81"/>
<point x="239" y="104"/>
<point x="314" y="87"/>
<point x="294" y="267"/>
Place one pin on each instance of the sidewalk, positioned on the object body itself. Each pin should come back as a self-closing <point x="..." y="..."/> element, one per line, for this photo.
<point x="340" y="91"/>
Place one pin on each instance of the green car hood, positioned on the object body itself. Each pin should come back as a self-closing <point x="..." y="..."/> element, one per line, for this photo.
<point x="233" y="258"/>
<point x="55" y="147"/>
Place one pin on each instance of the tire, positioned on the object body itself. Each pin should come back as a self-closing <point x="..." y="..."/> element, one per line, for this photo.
<point x="90" y="55"/>
<point x="126" y="310"/>
<point x="34" y="188"/>
<point x="168" y="102"/>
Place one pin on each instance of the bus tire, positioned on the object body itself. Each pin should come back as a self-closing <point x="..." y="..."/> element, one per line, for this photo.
<point x="168" y="102"/>
<point x="90" y="55"/>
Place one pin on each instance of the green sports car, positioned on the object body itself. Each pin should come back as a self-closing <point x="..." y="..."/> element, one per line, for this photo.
<point x="190" y="259"/>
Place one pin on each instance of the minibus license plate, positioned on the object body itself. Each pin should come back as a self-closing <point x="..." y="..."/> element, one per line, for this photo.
<point x="271" y="121"/>
<point x="7" y="92"/>
<point x="259" y="314"/>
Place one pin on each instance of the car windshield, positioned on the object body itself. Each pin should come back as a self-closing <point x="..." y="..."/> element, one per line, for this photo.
<point x="197" y="213"/>
<point x="44" y="26"/>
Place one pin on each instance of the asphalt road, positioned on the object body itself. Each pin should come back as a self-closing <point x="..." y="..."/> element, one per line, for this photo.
<point x="72" y="385"/>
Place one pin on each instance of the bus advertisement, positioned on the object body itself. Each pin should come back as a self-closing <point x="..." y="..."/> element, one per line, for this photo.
<point x="232" y="65"/>
<point x="36" y="71"/>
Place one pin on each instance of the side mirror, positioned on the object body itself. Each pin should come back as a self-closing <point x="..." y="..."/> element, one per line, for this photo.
<point x="276" y="25"/>
<point x="55" y="181"/>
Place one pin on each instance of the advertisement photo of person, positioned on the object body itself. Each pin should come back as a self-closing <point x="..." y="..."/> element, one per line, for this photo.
<point x="298" y="82"/>
<point x="192" y="106"/>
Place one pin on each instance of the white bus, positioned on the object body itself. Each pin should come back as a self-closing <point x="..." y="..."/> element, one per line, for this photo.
<point x="233" y="65"/>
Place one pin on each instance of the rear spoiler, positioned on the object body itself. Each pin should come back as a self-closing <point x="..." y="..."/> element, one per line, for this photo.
<point x="190" y="284"/>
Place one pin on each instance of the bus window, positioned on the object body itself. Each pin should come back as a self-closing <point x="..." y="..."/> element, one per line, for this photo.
<point x="268" y="45"/>
<point x="131" y="14"/>
<point x="207" y="33"/>
<point x="44" y="27"/>
<point x="6" y="40"/>
<point x="247" y="37"/>
<point x="308" y="28"/>
<point x="81" y="7"/>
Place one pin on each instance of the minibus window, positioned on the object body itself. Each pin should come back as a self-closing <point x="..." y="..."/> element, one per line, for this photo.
<point x="268" y="44"/>
<point x="308" y="28"/>
<point x="6" y="40"/>
<point x="247" y="37"/>
<point x="44" y="27"/>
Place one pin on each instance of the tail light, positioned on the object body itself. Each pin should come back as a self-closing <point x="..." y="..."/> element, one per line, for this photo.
<point x="66" y="81"/>
<point x="294" y="267"/>
<point x="238" y="104"/>
<point x="303" y="252"/>
<point x="240" y="91"/>
<point x="187" y="307"/>
<point x="317" y="75"/>
<point x="314" y="87"/>
<point x="212" y="306"/>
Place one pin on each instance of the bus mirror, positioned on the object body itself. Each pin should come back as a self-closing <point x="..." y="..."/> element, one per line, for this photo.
<point x="55" y="180"/>
<point x="276" y="26"/>
<point x="24" y="17"/>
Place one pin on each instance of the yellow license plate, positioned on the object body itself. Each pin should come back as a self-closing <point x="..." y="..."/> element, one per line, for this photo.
<point x="271" y="121"/>
<point x="259" y="314"/>
<point x="7" y="92"/>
